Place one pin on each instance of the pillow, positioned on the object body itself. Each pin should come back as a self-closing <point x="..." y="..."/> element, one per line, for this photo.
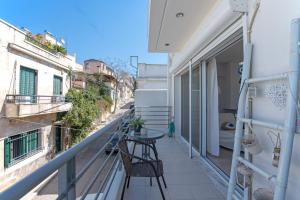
<point x="228" y="126"/>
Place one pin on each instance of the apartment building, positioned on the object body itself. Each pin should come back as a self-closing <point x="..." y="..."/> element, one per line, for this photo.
<point x="34" y="80"/>
<point x="126" y="87"/>
<point x="208" y="45"/>
<point x="93" y="66"/>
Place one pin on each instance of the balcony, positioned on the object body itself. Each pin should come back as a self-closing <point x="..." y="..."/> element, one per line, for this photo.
<point x="86" y="172"/>
<point x="79" y="84"/>
<point x="186" y="178"/>
<point x="24" y="106"/>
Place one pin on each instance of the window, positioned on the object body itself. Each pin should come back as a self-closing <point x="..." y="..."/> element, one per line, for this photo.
<point x="57" y="85"/>
<point x="27" y="84"/>
<point x="21" y="146"/>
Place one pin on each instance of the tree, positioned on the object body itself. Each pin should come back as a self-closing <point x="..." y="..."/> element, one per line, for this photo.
<point x="82" y="114"/>
<point x="121" y="69"/>
<point x="96" y="82"/>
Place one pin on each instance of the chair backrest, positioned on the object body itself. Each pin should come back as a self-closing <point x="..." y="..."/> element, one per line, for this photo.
<point x="125" y="155"/>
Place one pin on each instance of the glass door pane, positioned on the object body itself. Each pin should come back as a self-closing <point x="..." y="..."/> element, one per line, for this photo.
<point x="196" y="108"/>
<point x="185" y="106"/>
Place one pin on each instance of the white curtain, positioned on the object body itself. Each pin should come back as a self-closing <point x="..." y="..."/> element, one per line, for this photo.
<point x="212" y="109"/>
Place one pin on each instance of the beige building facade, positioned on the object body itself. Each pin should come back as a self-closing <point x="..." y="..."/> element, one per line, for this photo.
<point x="33" y="84"/>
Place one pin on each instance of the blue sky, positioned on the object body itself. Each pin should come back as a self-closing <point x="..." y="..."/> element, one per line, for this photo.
<point x="98" y="29"/>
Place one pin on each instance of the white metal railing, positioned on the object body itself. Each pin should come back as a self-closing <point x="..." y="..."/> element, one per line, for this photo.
<point x="154" y="116"/>
<point x="65" y="164"/>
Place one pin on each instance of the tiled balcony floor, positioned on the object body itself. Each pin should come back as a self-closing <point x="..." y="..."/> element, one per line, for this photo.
<point x="187" y="179"/>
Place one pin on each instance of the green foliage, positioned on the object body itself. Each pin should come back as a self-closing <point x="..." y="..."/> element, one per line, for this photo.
<point x="82" y="114"/>
<point x="137" y="122"/>
<point x="106" y="100"/>
<point x="53" y="48"/>
<point x="60" y="49"/>
<point x="102" y="91"/>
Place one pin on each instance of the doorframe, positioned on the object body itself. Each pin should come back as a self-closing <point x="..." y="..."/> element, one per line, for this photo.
<point x="61" y="139"/>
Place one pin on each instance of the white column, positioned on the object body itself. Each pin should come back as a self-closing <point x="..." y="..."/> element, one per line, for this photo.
<point x="190" y="109"/>
<point x="203" y="108"/>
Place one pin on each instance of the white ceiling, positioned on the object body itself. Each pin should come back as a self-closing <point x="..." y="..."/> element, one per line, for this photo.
<point x="165" y="27"/>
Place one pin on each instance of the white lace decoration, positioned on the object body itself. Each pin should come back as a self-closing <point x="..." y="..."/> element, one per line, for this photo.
<point x="277" y="94"/>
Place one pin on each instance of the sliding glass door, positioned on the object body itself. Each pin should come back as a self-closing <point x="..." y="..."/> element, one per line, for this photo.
<point x="194" y="118"/>
<point x="185" y="106"/>
<point x="195" y="108"/>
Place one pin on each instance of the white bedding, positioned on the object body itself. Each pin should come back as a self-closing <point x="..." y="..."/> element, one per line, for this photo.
<point x="227" y="138"/>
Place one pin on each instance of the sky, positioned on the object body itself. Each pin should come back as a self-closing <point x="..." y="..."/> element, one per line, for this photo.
<point x="100" y="29"/>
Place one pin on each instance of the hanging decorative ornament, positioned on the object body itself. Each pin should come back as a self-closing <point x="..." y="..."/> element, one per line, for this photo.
<point x="278" y="94"/>
<point x="276" y="156"/>
<point x="250" y="142"/>
<point x="277" y="147"/>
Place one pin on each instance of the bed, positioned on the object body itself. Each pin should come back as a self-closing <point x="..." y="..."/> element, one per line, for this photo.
<point x="227" y="138"/>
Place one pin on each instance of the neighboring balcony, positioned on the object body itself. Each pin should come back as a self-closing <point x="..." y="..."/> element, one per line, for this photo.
<point x="79" y="84"/>
<point x="24" y="106"/>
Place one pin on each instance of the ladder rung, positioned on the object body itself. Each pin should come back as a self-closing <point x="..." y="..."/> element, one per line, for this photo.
<point x="261" y="123"/>
<point x="257" y="169"/>
<point x="267" y="78"/>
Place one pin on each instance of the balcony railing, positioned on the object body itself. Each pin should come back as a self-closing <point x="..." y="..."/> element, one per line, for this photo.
<point x="38" y="99"/>
<point x="65" y="164"/>
<point x="24" y="105"/>
<point x="154" y="116"/>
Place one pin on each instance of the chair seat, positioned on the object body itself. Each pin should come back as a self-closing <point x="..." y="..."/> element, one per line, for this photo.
<point x="143" y="169"/>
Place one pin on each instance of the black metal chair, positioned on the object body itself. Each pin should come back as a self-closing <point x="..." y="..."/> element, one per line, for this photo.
<point x="142" y="167"/>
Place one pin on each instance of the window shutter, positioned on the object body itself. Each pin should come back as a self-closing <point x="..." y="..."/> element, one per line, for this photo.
<point x="6" y="152"/>
<point x="57" y="85"/>
<point x="34" y="140"/>
<point x="27" y="82"/>
<point x="24" y="144"/>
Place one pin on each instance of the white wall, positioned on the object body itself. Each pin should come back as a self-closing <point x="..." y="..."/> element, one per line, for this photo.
<point x="152" y="70"/>
<point x="144" y="98"/>
<point x="143" y="83"/>
<point x="271" y="39"/>
<point x="151" y="85"/>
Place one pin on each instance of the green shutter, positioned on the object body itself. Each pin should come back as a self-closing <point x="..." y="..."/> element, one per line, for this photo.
<point x="24" y="144"/>
<point x="34" y="141"/>
<point x="6" y="152"/>
<point x="27" y="85"/>
<point x="57" y="85"/>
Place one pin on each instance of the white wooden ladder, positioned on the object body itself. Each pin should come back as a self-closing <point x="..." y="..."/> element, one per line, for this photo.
<point x="287" y="129"/>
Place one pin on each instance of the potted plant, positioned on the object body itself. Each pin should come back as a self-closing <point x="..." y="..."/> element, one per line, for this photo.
<point x="137" y="124"/>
